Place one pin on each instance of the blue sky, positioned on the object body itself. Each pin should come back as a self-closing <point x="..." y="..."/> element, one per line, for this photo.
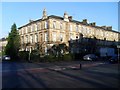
<point x="103" y="13"/>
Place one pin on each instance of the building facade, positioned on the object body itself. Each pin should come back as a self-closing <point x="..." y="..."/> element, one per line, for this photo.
<point x="50" y="30"/>
<point x="3" y="43"/>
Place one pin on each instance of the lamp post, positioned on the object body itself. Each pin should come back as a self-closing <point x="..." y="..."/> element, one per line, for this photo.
<point x="77" y="49"/>
<point x="29" y="53"/>
<point x="118" y="46"/>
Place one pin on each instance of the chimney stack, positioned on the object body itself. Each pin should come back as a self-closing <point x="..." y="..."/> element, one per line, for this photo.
<point x="70" y="18"/>
<point x="30" y="21"/>
<point x="104" y="27"/>
<point x="84" y="21"/>
<point x="66" y="17"/>
<point x="93" y="24"/>
<point x="109" y="28"/>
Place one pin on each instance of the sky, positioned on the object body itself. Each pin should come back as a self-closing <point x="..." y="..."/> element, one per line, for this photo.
<point x="103" y="13"/>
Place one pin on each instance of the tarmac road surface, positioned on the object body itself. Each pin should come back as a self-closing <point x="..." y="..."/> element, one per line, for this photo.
<point x="60" y="75"/>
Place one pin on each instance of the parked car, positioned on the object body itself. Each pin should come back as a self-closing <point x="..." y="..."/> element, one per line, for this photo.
<point x="114" y="59"/>
<point x="6" y="57"/>
<point x="90" y="57"/>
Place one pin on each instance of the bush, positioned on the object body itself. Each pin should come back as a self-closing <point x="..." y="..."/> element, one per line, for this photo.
<point x="23" y="55"/>
<point x="49" y="58"/>
<point x="67" y="57"/>
<point x="35" y="56"/>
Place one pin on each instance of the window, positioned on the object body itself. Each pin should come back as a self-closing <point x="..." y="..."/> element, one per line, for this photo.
<point x="41" y="37"/>
<point x="106" y="34"/>
<point x="38" y="26"/>
<point x="22" y="39"/>
<point x="77" y="28"/>
<point x="54" y="36"/>
<point x="45" y="50"/>
<point x="26" y="39"/>
<point x="31" y="38"/>
<point x="36" y="38"/>
<point x="54" y="24"/>
<point x="26" y="30"/>
<point x="22" y="31"/>
<point x="46" y="37"/>
<point x="61" y="37"/>
<point x="70" y="27"/>
<point x="33" y="28"/>
<point x="46" y="24"/>
<point x="70" y="37"/>
<point x="29" y="28"/>
<point x="101" y="33"/>
<point x="88" y="31"/>
<point x="60" y="25"/>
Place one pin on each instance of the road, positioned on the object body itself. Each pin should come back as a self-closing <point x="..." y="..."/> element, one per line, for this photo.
<point x="60" y="75"/>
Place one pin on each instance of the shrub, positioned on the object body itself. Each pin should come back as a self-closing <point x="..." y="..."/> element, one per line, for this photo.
<point x="23" y="55"/>
<point x="49" y="58"/>
<point x="67" y="57"/>
<point x="35" y="56"/>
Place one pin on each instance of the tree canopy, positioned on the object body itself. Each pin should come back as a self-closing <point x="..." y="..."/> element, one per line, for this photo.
<point x="13" y="45"/>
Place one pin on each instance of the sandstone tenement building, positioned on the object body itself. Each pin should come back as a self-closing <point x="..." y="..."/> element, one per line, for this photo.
<point x="50" y="30"/>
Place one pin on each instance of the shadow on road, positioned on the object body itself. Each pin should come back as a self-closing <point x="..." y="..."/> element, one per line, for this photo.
<point x="10" y="75"/>
<point x="36" y="82"/>
<point x="93" y="83"/>
<point x="13" y="77"/>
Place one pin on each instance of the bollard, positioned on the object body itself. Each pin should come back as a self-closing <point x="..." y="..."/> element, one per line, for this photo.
<point x="80" y="66"/>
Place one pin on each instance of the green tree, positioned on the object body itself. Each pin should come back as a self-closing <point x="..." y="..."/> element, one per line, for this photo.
<point x="13" y="45"/>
